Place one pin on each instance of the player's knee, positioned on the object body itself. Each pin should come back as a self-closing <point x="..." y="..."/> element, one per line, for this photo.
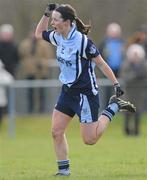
<point x="89" y="141"/>
<point x="57" y="134"/>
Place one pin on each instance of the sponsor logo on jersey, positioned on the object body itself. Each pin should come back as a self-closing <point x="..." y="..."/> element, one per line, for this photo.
<point x="63" y="61"/>
<point x="92" y="49"/>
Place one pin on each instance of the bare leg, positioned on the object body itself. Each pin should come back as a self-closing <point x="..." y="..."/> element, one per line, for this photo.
<point x="91" y="132"/>
<point x="59" y="123"/>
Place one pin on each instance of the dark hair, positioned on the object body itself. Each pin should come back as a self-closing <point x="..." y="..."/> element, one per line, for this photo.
<point x="68" y="12"/>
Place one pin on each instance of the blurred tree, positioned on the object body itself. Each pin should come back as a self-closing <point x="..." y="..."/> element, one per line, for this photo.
<point x="24" y="14"/>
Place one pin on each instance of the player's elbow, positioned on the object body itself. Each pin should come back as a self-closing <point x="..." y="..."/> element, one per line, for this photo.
<point x="38" y="35"/>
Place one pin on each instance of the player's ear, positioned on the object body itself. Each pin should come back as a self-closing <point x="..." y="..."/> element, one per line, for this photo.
<point x="68" y="21"/>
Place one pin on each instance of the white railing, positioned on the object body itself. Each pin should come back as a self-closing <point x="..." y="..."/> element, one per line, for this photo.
<point x="18" y="84"/>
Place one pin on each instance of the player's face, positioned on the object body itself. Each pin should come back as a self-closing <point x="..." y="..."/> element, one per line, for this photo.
<point x="58" y="23"/>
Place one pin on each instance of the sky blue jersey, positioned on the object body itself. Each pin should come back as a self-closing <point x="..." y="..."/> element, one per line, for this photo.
<point x="74" y="56"/>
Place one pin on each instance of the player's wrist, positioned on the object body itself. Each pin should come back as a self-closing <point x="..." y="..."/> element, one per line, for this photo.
<point x="116" y="83"/>
<point x="49" y="8"/>
<point x="47" y="15"/>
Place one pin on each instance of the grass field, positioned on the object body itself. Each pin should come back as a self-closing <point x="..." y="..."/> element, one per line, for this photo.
<point x="30" y="155"/>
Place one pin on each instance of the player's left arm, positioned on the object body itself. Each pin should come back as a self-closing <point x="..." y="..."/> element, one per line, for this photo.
<point x="106" y="70"/>
<point x="93" y="54"/>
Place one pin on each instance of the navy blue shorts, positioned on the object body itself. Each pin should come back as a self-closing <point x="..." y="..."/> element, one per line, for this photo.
<point x="85" y="106"/>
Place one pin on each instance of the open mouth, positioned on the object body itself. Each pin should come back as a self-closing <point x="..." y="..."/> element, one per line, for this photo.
<point x="54" y="28"/>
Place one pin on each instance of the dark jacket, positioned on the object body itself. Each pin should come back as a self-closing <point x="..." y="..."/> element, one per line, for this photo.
<point x="9" y="56"/>
<point x="135" y="77"/>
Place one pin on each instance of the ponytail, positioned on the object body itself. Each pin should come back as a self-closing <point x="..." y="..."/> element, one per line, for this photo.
<point x="84" y="29"/>
<point x="68" y="12"/>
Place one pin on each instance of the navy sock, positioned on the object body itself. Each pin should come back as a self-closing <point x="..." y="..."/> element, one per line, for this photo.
<point x="63" y="166"/>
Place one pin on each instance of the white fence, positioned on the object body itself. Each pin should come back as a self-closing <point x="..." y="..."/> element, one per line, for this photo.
<point x="16" y="99"/>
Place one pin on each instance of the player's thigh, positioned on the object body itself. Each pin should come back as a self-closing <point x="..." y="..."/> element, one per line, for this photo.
<point x="59" y="122"/>
<point x="88" y="131"/>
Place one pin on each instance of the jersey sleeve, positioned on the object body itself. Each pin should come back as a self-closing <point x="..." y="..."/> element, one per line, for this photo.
<point x="91" y="50"/>
<point x="50" y="36"/>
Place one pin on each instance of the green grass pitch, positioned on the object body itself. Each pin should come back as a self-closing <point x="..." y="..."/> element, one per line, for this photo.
<point x="30" y="155"/>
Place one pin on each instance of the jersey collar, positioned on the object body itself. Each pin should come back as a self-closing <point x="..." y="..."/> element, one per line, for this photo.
<point x="72" y="31"/>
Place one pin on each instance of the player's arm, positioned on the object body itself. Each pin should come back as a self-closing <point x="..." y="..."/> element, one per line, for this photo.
<point x="44" y="21"/>
<point x="42" y="26"/>
<point x="107" y="71"/>
<point x="92" y="53"/>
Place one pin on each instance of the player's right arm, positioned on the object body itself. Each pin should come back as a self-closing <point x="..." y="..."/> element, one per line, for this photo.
<point x="42" y="26"/>
<point x="44" y="21"/>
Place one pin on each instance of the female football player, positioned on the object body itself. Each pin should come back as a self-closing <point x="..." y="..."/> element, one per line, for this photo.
<point x="77" y="56"/>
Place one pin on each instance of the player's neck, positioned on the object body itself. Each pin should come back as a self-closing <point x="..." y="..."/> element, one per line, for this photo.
<point x="66" y="32"/>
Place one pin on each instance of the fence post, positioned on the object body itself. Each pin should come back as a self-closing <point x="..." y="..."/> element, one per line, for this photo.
<point x="11" y="111"/>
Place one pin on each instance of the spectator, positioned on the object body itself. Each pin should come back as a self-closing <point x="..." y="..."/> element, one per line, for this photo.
<point x="35" y="55"/>
<point x="139" y="37"/>
<point x="5" y="79"/>
<point x="134" y="73"/>
<point x="8" y="49"/>
<point x="112" y="49"/>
